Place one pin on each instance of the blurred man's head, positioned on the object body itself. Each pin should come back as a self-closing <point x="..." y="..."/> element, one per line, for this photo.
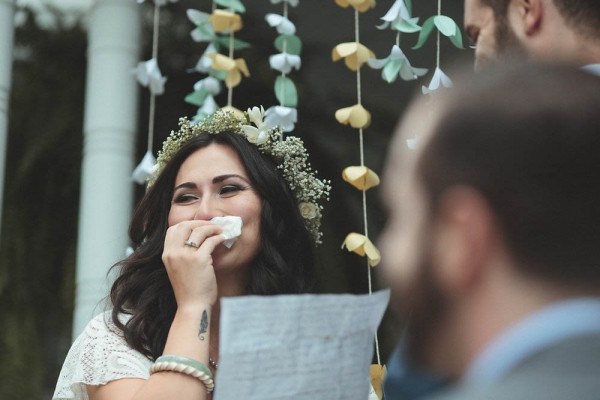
<point x="565" y="30"/>
<point x="496" y="212"/>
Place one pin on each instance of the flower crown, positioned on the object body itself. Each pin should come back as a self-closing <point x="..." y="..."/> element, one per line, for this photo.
<point x="289" y="154"/>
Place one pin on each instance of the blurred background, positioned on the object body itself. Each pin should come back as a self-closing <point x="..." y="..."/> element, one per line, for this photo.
<point x="44" y="150"/>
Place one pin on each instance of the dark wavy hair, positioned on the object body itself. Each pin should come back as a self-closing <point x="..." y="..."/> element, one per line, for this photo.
<point x="284" y="264"/>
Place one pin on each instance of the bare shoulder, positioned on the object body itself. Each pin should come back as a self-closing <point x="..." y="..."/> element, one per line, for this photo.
<point x="120" y="389"/>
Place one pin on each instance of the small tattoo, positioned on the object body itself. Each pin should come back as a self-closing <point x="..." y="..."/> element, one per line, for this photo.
<point x="203" y="325"/>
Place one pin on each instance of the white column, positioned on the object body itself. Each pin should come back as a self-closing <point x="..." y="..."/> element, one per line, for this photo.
<point x="108" y="151"/>
<point x="7" y="28"/>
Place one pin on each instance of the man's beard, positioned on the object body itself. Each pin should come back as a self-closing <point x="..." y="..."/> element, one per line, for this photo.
<point x="424" y="306"/>
<point x="508" y="46"/>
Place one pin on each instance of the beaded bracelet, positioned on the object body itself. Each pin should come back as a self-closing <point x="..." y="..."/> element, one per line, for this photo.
<point x="186" y="366"/>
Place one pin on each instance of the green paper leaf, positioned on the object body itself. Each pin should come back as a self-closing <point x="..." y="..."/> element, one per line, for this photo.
<point x="425" y="32"/>
<point x="408" y="4"/>
<point x="457" y="39"/>
<point x="196" y="98"/>
<point x="406" y="27"/>
<point x="293" y="44"/>
<point x="220" y="75"/>
<point x="445" y="25"/>
<point x="286" y="92"/>
<point x="223" y="41"/>
<point x="235" y="5"/>
<point x="391" y="70"/>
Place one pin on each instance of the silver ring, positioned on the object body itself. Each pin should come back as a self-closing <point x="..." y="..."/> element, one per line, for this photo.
<point x="191" y="243"/>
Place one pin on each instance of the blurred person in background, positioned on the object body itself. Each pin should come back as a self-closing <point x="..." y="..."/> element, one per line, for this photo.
<point x="492" y="248"/>
<point x="567" y="31"/>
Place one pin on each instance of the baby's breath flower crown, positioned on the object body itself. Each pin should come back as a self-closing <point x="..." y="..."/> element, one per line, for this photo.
<point x="289" y="155"/>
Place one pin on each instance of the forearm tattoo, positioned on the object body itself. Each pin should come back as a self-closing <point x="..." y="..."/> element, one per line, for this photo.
<point x="203" y="325"/>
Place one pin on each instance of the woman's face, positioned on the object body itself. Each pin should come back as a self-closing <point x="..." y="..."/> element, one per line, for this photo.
<point x="212" y="182"/>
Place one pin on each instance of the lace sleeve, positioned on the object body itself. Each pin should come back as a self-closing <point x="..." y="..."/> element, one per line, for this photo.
<point x="98" y="356"/>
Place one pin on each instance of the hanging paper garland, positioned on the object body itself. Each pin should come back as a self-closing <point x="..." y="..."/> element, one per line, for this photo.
<point x="284" y="115"/>
<point x="355" y="55"/>
<point x="148" y="75"/>
<point x="218" y="29"/>
<point x="398" y="18"/>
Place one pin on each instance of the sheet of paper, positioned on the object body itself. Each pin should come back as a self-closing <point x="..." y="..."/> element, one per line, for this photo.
<point x="301" y="347"/>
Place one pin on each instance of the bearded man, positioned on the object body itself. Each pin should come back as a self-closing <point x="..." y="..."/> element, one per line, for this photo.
<point x="566" y="31"/>
<point x="492" y="246"/>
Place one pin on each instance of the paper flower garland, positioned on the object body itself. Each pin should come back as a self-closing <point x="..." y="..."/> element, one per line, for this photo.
<point x="399" y="19"/>
<point x="218" y="29"/>
<point x="439" y="80"/>
<point x="289" y="46"/>
<point x="355" y="55"/>
<point x="148" y="75"/>
<point x="396" y="64"/>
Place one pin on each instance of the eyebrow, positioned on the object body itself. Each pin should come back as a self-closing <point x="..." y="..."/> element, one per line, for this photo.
<point x="216" y="179"/>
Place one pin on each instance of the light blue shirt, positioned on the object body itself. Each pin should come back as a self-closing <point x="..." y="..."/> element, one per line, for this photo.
<point x="592" y="69"/>
<point x="553" y="324"/>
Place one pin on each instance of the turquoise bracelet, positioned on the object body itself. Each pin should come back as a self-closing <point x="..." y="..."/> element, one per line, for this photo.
<point x="186" y="366"/>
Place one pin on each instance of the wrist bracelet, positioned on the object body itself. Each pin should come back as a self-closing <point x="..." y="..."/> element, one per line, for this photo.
<point x="186" y="366"/>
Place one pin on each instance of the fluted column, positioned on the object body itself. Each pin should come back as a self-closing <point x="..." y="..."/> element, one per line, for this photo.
<point x="7" y="29"/>
<point x="109" y="136"/>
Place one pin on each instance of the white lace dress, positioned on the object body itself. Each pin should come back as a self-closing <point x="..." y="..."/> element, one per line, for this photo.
<point x="99" y="355"/>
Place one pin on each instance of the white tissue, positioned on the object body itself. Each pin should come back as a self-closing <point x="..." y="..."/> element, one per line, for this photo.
<point x="232" y="228"/>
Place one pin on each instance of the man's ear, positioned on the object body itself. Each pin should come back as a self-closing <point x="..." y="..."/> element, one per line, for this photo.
<point x="463" y="239"/>
<point x="526" y="16"/>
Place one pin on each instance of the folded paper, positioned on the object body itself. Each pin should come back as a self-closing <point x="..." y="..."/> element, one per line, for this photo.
<point x="209" y="84"/>
<point x="361" y="245"/>
<point x="357" y="116"/>
<point x="284" y="117"/>
<point x="398" y="18"/>
<point x="378" y="373"/>
<point x="284" y="62"/>
<point x="360" y="177"/>
<point x="225" y="21"/>
<point x="438" y="81"/>
<point x="445" y="25"/>
<point x="353" y="53"/>
<point x="283" y="25"/>
<point x="232" y="228"/>
<point x="234" y="68"/>
<point x="144" y="169"/>
<point x="204" y="31"/>
<point x="148" y="75"/>
<point x="396" y="64"/>
<point x="358" y="5"/>
<point x="204" y="64"/>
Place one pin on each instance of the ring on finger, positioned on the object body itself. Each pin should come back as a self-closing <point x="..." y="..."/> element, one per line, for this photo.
<point x="191" y="243"/>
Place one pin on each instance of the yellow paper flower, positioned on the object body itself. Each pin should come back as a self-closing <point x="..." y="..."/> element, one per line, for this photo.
<point x="361" y="245"/>
<point x="378" y="373"/>
<point x="358" y="5"/>
<point x="357" y="116"/>
<point x="353" y="53"/>
<point x="360" y="177"/>
<point x="225" y="21"/>
<point x="235" y="68"/>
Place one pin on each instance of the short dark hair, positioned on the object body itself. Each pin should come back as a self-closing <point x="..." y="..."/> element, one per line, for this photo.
<point x="583" y="16"/>
<point x="527" y="138"/>
<point x="284" y="264"/>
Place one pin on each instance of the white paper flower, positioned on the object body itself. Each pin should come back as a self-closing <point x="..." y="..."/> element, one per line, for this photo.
<point x="204" y="31"/>
<point x="292" y="3"/>
<point x="209" y="84"/>
<point x="205" y="62"/>
<point x="209" y="106"/>
<point x="284" y="26"/>
<point x="284" y="62"/>
<point x="399" y="18"/>
<point x="148" y="75"/>
<point x="308" y="210"/>
<point x="396" y="64"/>
<point x="439" y="80"/>
<point x="144" y="169"/>
<point x="284" y="117"/>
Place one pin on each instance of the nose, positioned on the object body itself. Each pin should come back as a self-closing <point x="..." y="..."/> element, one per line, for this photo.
<point x="206" y="209"/>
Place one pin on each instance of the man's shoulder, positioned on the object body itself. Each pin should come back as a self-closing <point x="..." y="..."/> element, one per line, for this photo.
<point x="568" y="370"/>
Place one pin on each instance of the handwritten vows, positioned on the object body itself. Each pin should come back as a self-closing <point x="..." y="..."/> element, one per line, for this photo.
<point x="297" y="346"/>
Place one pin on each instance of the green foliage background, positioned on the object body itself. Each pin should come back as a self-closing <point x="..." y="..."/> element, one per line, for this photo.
<point x="39" y="224"/>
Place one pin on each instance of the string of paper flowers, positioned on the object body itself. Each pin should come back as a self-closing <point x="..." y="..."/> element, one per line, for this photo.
<point x="218" y="30"/>
<point x="148" y="75"/>
<point x="289" y="46"/>
<point x="355" y="55"/>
